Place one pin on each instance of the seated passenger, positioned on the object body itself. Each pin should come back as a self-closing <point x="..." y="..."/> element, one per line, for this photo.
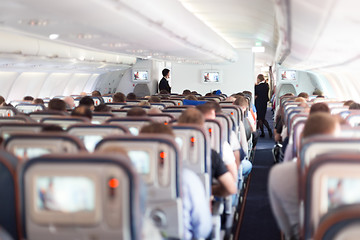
<point x="70" y="103"/>
<point x="2" y="101"/>
<point x="227" y="183"/>
<point x="354" y="106"/>
<point x="102" y="108"/>
<point x="196" y="209"/>
<point x="119" y="97"/>
<point x="57" y="105"/>
<point x="283" y="178"/>
<point x="28" y="99"/>
<point x="88" y="102"/>
<point x="136" y="112"/>
<point x="131" y="97"/>
<point x="38" y="101"/>
<point x="82" y="111"/>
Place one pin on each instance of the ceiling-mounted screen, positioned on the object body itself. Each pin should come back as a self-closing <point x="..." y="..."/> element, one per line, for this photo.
<point x="288" y="75"/>
<point x="211" y="76"/>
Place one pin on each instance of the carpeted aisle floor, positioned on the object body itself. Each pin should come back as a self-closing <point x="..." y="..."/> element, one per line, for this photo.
<point x="258" y="222"/>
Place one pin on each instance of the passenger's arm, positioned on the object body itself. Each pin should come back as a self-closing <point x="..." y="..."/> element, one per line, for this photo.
<point x="225" y="187"/>
<point x="233" y="169"/>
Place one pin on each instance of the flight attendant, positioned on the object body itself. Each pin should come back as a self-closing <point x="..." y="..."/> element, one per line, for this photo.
<point x="261" y="99"/>
<point x="164" y="83"/>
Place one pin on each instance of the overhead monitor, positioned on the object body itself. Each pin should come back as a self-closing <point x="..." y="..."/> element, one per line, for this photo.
<point x="288" y="75"/>
<point x="140" y="76"/>
<point x="211" y="76"/>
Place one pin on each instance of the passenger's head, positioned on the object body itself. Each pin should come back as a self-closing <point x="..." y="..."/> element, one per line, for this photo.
<point x="69" y="102"/>
<point x="82" y="111"/>
<point x="28" y="98"/>
<point x="52" y="128"/>
<point x="2" y="100"/>
<point x="304" y="95"/>
<point x="136" y="112"/>
<point x="208" y="110"/>
<point x="166" y="73"/>
<point x="102" y="108"/>
<point x="191" y="97"/>
<point x="300" y="99"/>
<point x="119" y="97"/>
<point x="157" y="128"/>
<point x="186" y="92"/>
<point x="348" y="102"/>
<point x="354" y="106"/>
<point x="242" y="102"/>
<point x="319" y="107"/>
<point x="88" y="102"/>
<point x="131" y="96"/>
<point x="163" y="91"/>
<point x="260" y="78"/>
<point x="38" y="101"/>
<point x="154" y="99"/>
<point x="321" y="123"/>
<point x="57" y="104"/>
<point x="191" y="116"/>
<point x="318" y="92"/>
<point x="144" y="103"/>
<point x="96" y="93"/>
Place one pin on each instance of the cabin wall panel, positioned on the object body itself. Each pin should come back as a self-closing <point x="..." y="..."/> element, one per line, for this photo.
<point x="28" y="83"/>
<point x="6" y="81"/>
<point x="91" y="83"/>
<point x="236" y="77"/>
<point x="54" y="85"/>
<point x="76" y="84"/>
<point x="108" y="82"/>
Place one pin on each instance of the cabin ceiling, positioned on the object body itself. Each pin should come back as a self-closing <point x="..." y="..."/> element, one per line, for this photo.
<point x="192" y="31"/>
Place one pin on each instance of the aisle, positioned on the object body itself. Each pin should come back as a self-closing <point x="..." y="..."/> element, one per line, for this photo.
<point x="258" y="222"/>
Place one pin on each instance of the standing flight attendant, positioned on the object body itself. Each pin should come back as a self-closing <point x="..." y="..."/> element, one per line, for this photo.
<point x="261" y="99"/>
<point x="164" y="84"/>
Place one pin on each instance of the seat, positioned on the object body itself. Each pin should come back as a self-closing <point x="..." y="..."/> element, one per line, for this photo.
<point x="10" y="218"/>
<point x="128" y="107"/>
<point x="160" y="106"/>
<point x="6" y="111"/>
<point x="354" y="118"/>
<point x="81" y="196"/>
<point x="141" y="90"/>
<point x="107" y="99"/>
<point x="28" y="107"/>
<point x="216" y="134"/>
<point x="157" y="159"/>
<point x="226" y="124"/>
<point x="195" y="149"/>
<point x="37" y="116"/>
<point x="92" y="134"/>
<point x="169" y="103"/>
<point x="17" y="118"/>
<point x="161" y="117"/>
<point x="330" y="181"/>
<point x="28" y="145"/>
<point x="234" y="111"/>
<point x="119" y="112"/>
<point x="174" y="112"/>
<point x="115" y="105"/>
<point x="100" y="117"/>
<point x="64" y="121"/>
<point x="134" y="124"/>
<point x="6" y="129"/>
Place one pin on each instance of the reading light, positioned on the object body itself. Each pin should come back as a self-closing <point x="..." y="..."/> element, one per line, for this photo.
<point x="192" y="139"/>
<point x="258" y="49"/>
<point x="162" y="155"/>
<point x="210" y="131"/>
<point x="113" y="183"/>
<point x="53" y="36"/>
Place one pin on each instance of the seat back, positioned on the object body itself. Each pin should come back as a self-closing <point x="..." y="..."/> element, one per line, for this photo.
<point x="7" y="111"/>
<point x="27" y="145"/>
<point x="160" y="106"/>
<point x="6" y="129"/>
<point x="81" y="196"/>
<point x="92" y="134"/>
<point x="215" y="131"/>
<point x="99" y="117"/>
<point x="330" y="181"/>
<point x="161" y="117"/>
<point x="226" y="124"/>
<point x="17" y="118"/>
<point x="107" y="99"/>
<point x="64" y="121"/>
<point x="9" y="195"/>
<point x="173" y="112"/>
<point x="156" y="157"/>
<point x="37" y="116"/>
<point x="195" y="150"/>
<point x="28" y="107"/>
<point x="115" y="105"/>
<point x="354" y="118"/>
<point x="234" y="111"/>
<point x="134" y="124"/>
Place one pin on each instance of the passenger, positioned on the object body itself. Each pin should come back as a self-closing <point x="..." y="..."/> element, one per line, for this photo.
<point x="38" y="101"/>
<point x="70" y="103"/>
<point x="261" y="99"/>
<point x="96" y="93"/>
<point x="136" y="112"/>
<point x="304" y="95"/>
<point x="319" y="107"/>
<point x="144" y="103"/>
<point x="283" y="178"/>
<point x="348" y="103"/>
<point x="354" y="106"/>
<point x="119" y="97"/>
<point x="102" y="108"/>
<point x="191" y="97"/>
<point x="88" y="102"/>
<point x="131" y="97"/>
<point x="252" y="109"/>
<point x="154" y="110"/>
<point x="82" y="111"/>
<point x="2" y="101"/>
<point x="186" y="92"/>
<point x="300" y="99"/>
<point x="164" y="83"/>
<point x="154" y="99"/>
<point x="227" y="185"/>
<point x="196" y="209"/>
<point x="57" y="105"/>
<point x="28" y="99"/>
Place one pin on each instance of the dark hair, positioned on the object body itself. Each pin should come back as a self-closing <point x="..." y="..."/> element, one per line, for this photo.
<point x="192" y="116"/>
<point x="319" y="123"/>
<point x="57" y="104"/>
<point x="354" y="106"/>
<point x="119" y="97"/>
<point x="2" y="99"/>
<point x="260" y="77"/>
<point x="163" y="91"/>
<point x="186" y="92"/>
<point x="165" y="72"/>
<point x="28" y="98"/>
<point x="136" y="112"/>
<point x="303" y="95"/>
<point x="82" y="111"/>
<point x="154" y="99"/>
<point x="241" y="101"/>
<point x="38" y="101"/>
<point x="102" y="108"/>
<point x="96" y="93"/>
<point x="157" y="128"/>
<point x="52" y="128"/>
<point x="131" y="96"/>
<point x="319" y="107"/>
<point x="86" y="101"/>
